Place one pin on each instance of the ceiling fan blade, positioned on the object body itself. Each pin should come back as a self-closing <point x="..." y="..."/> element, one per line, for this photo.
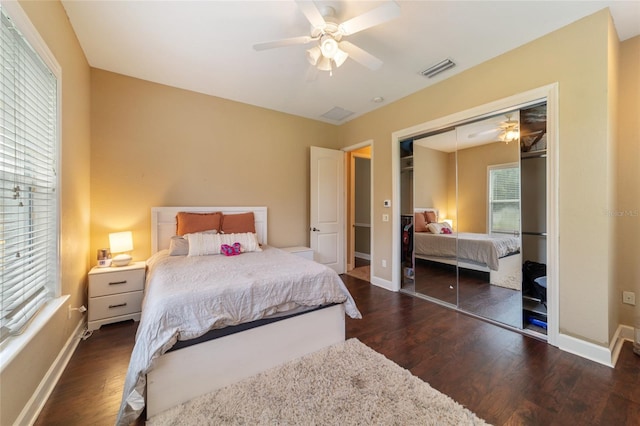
<point x="312" y="13"/>
<point x="282" y="43"/>
<point x="361" y="56"/>
<point x="484" y="132"/>
<point x="377" y="16"/>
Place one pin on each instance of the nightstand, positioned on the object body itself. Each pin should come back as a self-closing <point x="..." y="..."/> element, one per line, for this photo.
<point x="305" y="252"/>
<point x="115" y="294"/>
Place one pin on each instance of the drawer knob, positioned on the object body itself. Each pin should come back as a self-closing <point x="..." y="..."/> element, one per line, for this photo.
<point x="120" y="305"/>
<point x="118" y="282"/>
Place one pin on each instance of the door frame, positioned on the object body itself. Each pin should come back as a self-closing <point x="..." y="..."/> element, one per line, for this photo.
<point x="350" y="202"/>
<point x="548" y="93"/>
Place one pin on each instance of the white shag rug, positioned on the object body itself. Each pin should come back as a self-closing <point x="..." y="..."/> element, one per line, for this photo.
<point x="345" y="384"/>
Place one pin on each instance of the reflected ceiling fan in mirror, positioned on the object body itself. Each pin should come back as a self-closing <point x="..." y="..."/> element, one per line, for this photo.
<point x="507" y="131"/>
<point x="510" y="130"/>
<point x="331" y="50"/>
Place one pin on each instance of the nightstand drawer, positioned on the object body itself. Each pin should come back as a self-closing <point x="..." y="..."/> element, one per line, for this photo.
<point x="115" y="305"/>
<point x="116" y="282"/>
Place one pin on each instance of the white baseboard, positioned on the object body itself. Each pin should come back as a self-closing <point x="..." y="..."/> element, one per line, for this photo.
<point x="377" y="281"/>
<point x="364" y="256"/>
<point x="584" y="349"/>
<point x="600" y="354"/>
<point x="34" y="406"/>
<point x="624" y="332"/>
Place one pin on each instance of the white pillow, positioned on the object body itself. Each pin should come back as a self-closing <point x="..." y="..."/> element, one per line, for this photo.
<point x="436" y="228"/>
<point x="248" y="241"/>
<point x="204" y="244"/>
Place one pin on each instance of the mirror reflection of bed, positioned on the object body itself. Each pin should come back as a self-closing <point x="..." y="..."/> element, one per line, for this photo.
<point x="478" y="272"/>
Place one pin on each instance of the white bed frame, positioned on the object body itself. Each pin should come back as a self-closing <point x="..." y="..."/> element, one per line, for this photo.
<point x="186" y="373"/>
<point x="508" y="275"/>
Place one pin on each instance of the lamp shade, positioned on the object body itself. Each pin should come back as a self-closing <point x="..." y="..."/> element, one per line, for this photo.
<point x="324" y="64"/>
<point x="121" y="242"/>
<point x="328" y="46"/>
<point x="340" y="57"/>
<point x="313" y="55"/>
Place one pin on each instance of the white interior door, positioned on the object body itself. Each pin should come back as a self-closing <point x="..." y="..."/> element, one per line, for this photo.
<point x="327" y="221"/>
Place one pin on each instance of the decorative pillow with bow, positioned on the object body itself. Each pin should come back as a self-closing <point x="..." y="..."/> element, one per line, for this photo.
<point x="230" y="250"/>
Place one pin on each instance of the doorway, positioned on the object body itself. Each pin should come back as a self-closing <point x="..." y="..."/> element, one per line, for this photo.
<point x="359" y="212"/>
<point x="340" y="181"/>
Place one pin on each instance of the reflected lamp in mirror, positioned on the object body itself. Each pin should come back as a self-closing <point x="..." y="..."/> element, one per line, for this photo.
<point x="121" y="243"/>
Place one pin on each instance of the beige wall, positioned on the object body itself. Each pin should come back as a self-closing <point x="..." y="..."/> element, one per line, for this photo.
<point x="626" y="212"/>
<point x="576" y="58"/>
<point x="430" y="180"/>
<point x="154" y="145"/>
<point x="472" y="182"/>
<point x="26" y="371"/>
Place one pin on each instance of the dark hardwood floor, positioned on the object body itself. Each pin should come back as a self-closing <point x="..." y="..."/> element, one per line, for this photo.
<point x="504" y="377"/>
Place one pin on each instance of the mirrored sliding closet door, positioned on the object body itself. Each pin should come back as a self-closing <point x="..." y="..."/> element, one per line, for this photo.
<point x="434" y="208"/>
<point x="465" y="199"/>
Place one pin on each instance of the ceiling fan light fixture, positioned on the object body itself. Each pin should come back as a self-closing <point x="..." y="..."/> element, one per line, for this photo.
<point x="328" y="46"/>
<point x="324" y="64"/>
<point x="313" y="55"/>
<point x="510" y="135"/>
<point x="340" y="57"/>
<point x="510" y="131"/>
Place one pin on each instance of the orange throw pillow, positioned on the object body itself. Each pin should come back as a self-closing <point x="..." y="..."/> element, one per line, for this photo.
<point x="238" y="223"/>
<point x="419" y="222"/>
<point x="190" y="223"/>
<point x="430" y="216"/>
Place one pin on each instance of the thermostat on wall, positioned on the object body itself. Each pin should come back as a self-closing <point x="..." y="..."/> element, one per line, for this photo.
<point x="387" y="203"/>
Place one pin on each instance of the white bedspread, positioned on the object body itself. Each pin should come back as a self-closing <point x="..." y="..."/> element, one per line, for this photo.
<point x="481" y="248"/>
<point x="187" y="296"/>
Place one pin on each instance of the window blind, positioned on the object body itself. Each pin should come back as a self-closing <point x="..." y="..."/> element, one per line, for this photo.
<point x="28" y="149"/>
<point x="504" y="199"/>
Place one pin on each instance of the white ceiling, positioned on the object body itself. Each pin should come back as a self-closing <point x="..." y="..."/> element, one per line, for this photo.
<point x="206" y="46"/>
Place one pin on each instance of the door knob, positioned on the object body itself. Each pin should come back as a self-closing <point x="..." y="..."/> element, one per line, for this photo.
<point x="314" y="229"/>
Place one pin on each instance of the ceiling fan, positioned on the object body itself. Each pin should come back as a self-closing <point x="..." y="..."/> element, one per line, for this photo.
<point x="330" y="50"/>
<point x="507" y="131"/>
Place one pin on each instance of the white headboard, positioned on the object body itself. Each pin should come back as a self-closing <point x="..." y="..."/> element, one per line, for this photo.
<point x="163" y="222"/>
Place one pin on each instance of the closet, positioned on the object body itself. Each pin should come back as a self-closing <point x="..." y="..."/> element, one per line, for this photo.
<point x="485" y="180"/>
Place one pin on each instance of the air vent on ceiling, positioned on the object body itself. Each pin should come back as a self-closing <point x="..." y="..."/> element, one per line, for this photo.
<point x="438" y="68"/>
<point x="337" y="114"/>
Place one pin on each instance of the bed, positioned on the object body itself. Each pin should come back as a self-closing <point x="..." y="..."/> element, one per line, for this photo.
<point x="266" y="306"/>
<point x="499" y="255"/>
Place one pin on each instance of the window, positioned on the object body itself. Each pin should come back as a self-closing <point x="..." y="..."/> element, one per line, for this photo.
<point x="28" y="181"/>
<point x="504" y="198"/>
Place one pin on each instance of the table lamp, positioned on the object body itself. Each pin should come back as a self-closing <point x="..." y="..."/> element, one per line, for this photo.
<point x="121" y="242"/>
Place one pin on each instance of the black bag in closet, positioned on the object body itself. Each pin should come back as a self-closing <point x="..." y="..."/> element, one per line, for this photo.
<point x="530" y="271"/>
